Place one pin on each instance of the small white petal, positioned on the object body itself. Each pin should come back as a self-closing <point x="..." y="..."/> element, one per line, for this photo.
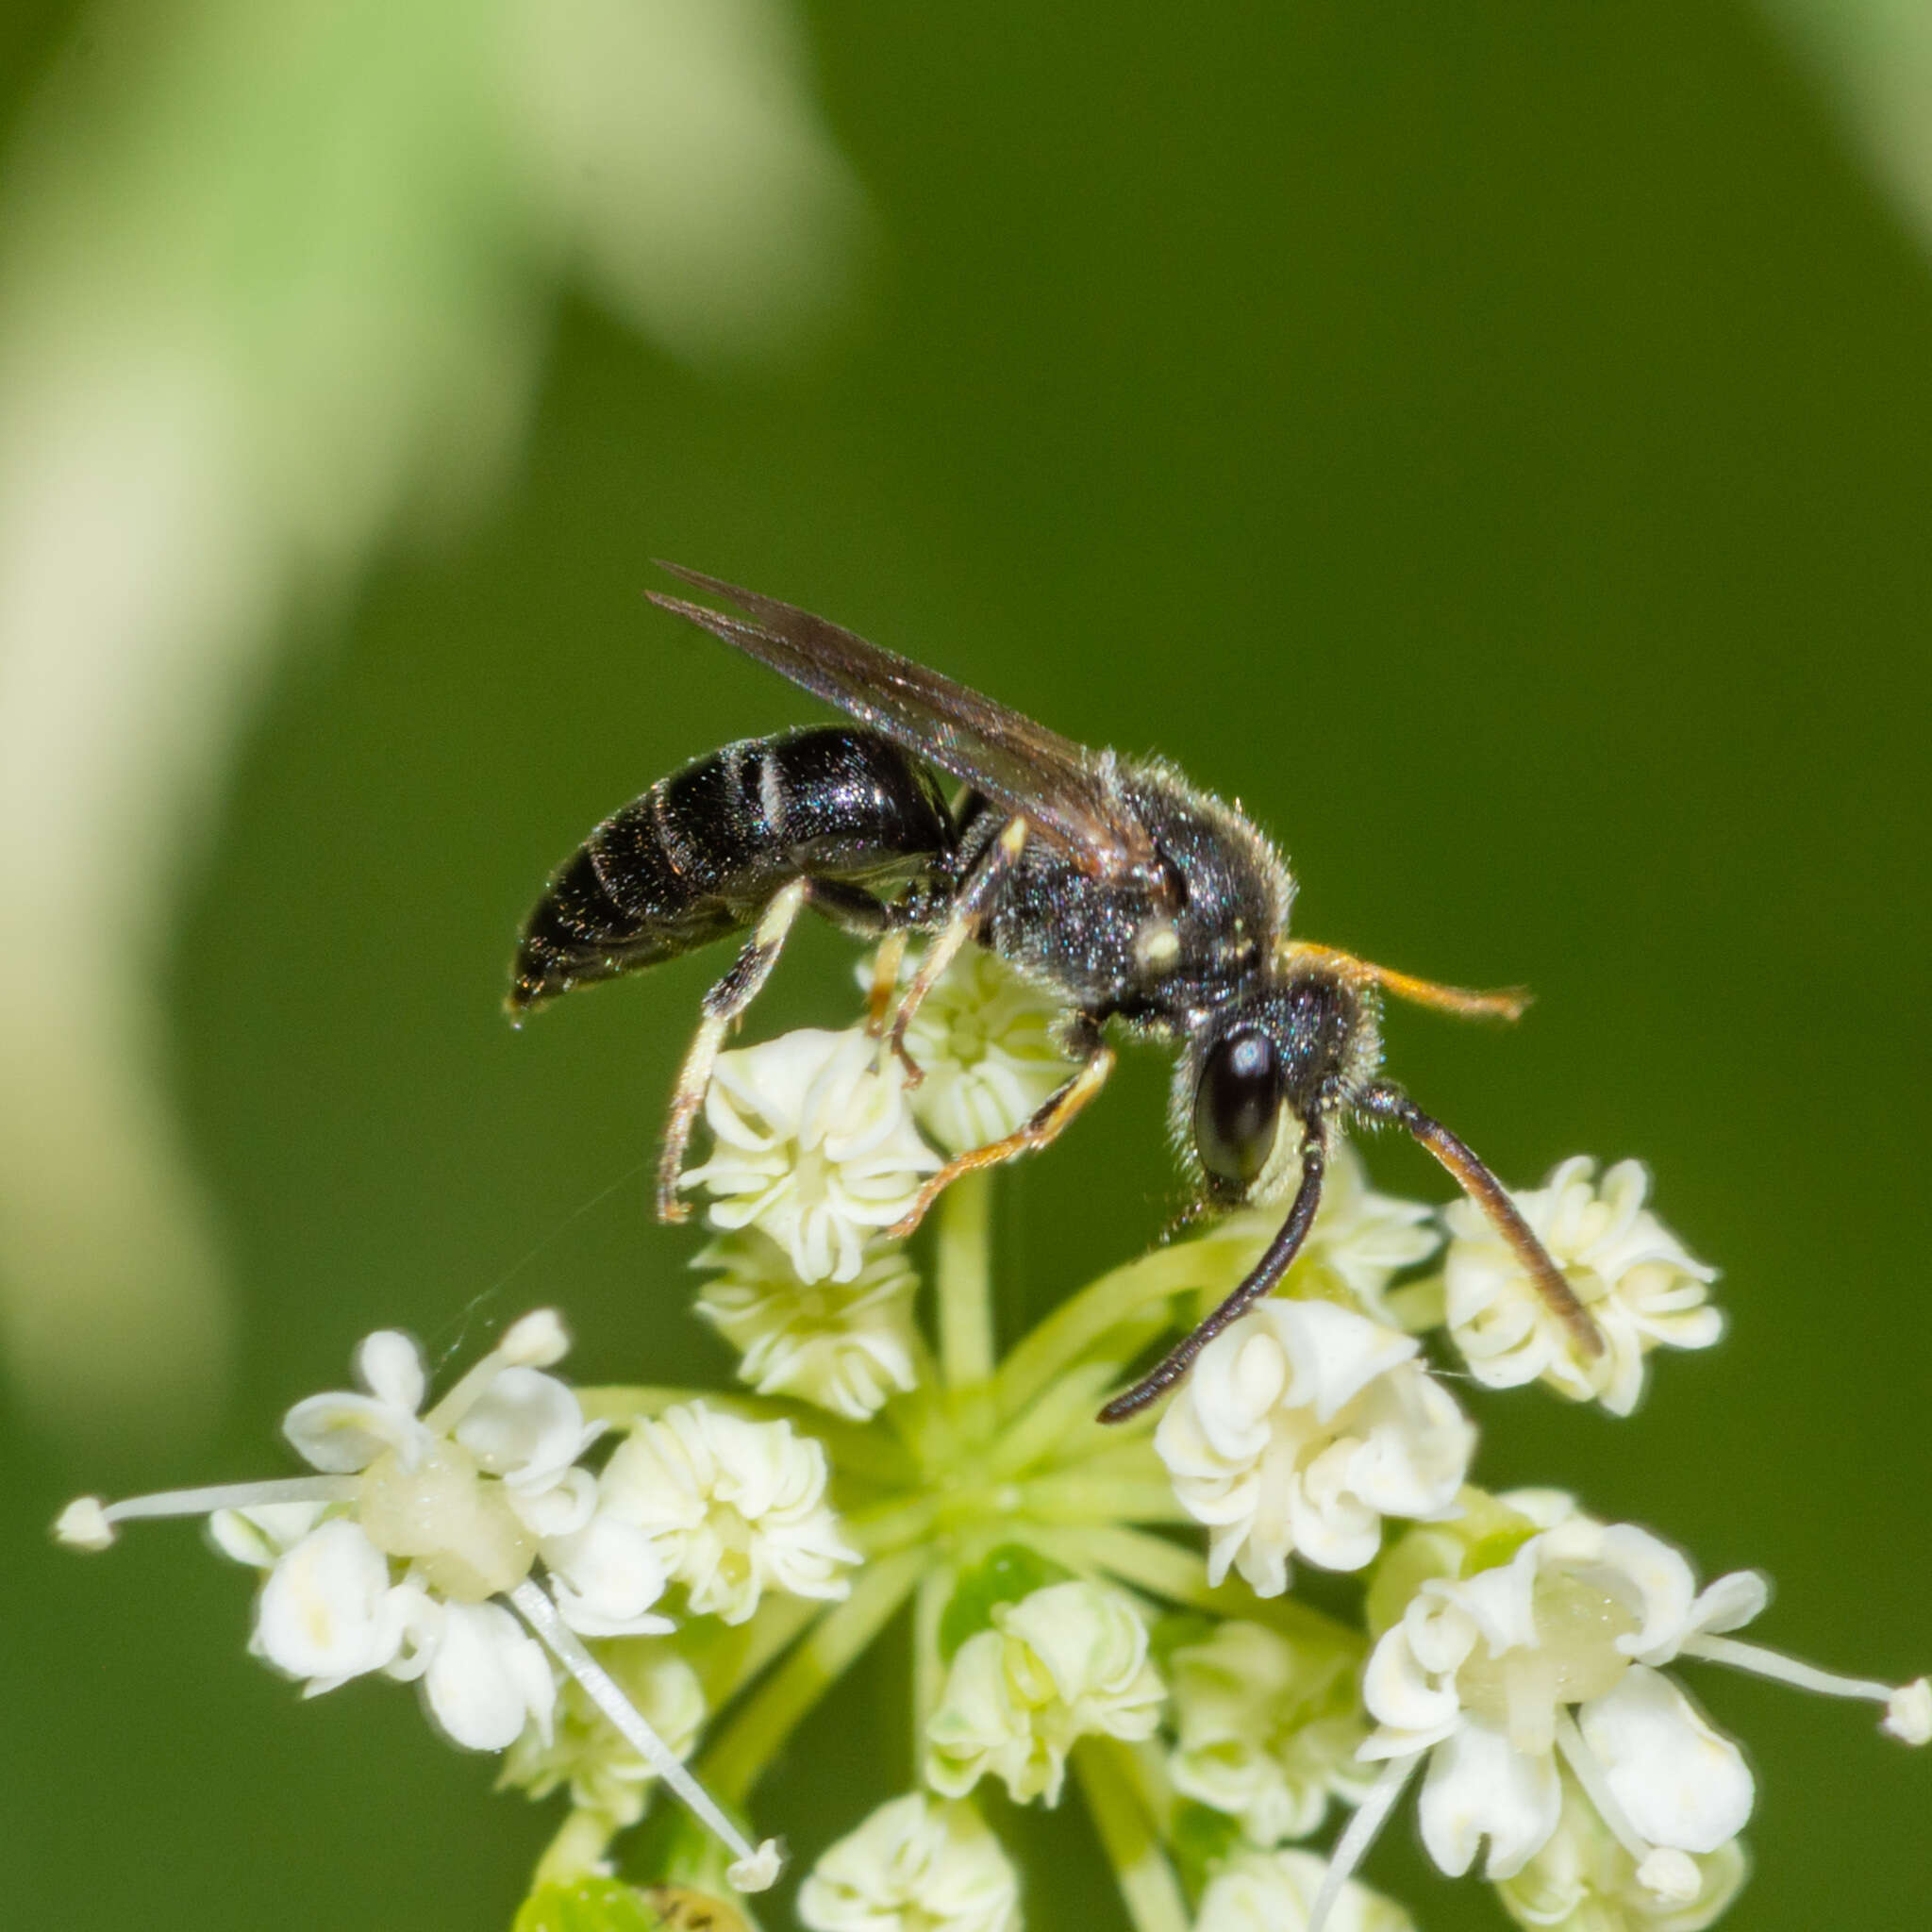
<point x="1909" y="1714"/>
<point x="1399" y="1692"/>
<point x="261" y="1536"/>
<point x="1480" y="1786"/>
<point x="341" y="1432"/>
<point x="561" y="1508"/>
<point x="605" y="1578"/>
<point x="1680" y="1784"/>
<point x="326" y="1610"/>
<point x="1728" y="1604"/>
<point x="84" y="1525"/>
<point x="487" y="1679"/>
<point x="1664" y="1585"/>
<point x="390" y="1366"/>
<point x="526" y="1428"/>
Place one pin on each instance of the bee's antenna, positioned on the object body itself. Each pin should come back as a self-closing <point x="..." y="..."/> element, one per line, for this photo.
<point x="1384" y="1101"/>
<point x="1266" y="1273"/>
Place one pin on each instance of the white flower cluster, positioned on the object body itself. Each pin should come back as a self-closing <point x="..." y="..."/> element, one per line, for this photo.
<point x="734" y="1508"/>
<point x="1265" y="1731"/>
<point x="846" y="1346"/>
<point x="1641" y="1287"/>
<point x="1065" y="1663"/>
<point x="913" y="1866"/>
<point x="987" y="1042"/>
<point x="405" y="1553"/>
<point x="1302" y="1426"/>
<point x="811" y="1143"/>
<point x="388" y="1561"/>
<point x="1536" y="1693"/>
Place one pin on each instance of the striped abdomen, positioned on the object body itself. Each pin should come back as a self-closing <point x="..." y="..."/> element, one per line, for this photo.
<point x="703" y="851"/>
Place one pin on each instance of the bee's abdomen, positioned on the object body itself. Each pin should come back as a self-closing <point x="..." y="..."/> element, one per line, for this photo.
<point x="699" y="854"/>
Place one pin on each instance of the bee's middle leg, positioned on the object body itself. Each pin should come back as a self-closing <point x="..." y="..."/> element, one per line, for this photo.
<point x="962" y="923"/>
<point x="722" y="1006"/>
<point x="1043" y="1126"/>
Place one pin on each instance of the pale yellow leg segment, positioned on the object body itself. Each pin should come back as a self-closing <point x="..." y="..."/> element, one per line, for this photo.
<point x="1045" y="1126"/>
<point x="1504" y="1003"/>
<point x="968" y="909"/>
<point x="722" y="1006"/>
<point x="889" y="957"/>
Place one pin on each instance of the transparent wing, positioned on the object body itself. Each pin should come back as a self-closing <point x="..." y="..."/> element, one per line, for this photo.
<point x="1061" y="788"/>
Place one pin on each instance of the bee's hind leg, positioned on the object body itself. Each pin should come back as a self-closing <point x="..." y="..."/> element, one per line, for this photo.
<point x="722" y="1006"/>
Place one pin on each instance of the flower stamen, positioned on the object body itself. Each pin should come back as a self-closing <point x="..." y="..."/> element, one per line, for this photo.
<point x="1907" y="1706"/>
<point x="88" y="1523"/>
<point x="756" y="1868"/>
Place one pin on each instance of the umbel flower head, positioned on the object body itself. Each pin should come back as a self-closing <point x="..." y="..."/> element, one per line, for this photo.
<point x="1110" y="1602"/>
<point x="405" y="1552"/>
<point x="1553" y="1661"/>
<point x="735" y="1507"/>
<point x="987" y="1043"/>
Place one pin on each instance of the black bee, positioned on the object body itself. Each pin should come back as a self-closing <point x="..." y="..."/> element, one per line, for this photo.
<point x="1113" y="882"/>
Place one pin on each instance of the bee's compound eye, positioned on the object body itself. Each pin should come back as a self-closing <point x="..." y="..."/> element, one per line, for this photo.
<point x="1237" y="1108"/>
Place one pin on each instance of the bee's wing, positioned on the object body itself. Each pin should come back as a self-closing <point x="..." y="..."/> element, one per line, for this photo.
<point x="1061" y="788"/>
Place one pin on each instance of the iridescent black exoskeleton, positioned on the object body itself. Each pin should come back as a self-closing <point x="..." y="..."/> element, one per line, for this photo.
<point x="1132" y="896"/>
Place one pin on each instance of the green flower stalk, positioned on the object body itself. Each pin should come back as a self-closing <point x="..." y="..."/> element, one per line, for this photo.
<point x="637" y="1586"/>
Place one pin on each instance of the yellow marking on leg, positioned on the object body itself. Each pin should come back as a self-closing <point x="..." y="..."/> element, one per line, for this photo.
<point x="884" y="981"/>
<point x="1043" y="1127"/>
<point x="1503" y="1003"/>
<point x="722" y="1006"/>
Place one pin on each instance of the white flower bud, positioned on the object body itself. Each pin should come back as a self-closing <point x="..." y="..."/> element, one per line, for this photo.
<point x="1642" y="1288"/>
<point x="734" y="1506"/>
<point x="987" y="1042"/>
<point x="604" y="1773"/>
<point x="914" y="1865"/>
<point x="1062" y="1662"/>
<point x="1302" y="1426"/>
<point x="813" y="1143"/>
<point x="1265" y="1732"/>
<point x="1583" y="1880"/>
<point x="844" y="1345"/>
<point x="1257" y="1892"/>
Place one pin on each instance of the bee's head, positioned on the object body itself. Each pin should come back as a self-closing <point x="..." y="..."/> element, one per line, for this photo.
<point x="1301" y="1047"/>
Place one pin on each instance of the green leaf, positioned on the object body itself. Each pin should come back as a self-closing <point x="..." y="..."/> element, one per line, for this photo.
<point x="1010" y="1572"/>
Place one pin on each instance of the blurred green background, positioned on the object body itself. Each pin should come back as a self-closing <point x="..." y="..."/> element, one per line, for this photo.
<point x="1491" y="441"/>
